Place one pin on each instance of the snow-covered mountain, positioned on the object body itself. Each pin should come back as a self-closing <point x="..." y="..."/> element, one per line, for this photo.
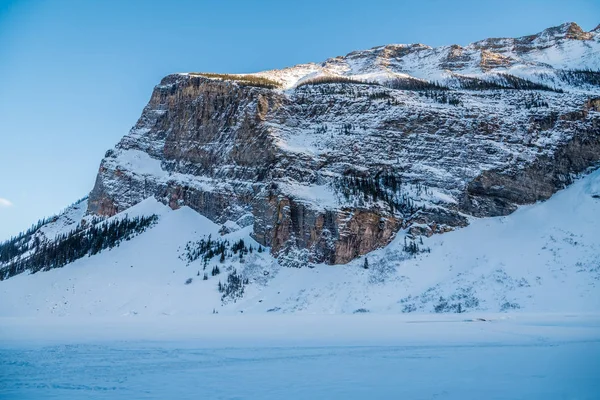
<point x="539" y="57"/>
<point x="430" y="173"/>
<point x="542" y="258"/>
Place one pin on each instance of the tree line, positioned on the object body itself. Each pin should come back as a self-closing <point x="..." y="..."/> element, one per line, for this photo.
<point x="242" y="80"/>
<point x="81" y="242"/>
<point x="22" y="243"/>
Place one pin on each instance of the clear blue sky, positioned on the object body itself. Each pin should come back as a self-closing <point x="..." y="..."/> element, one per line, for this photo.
<point x="75" y="74"/>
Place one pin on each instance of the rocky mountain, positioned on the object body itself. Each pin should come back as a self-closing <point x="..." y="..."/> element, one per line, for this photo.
<point x="324" y="163"/>
<point x="330" y="160"/>
<point x="539" y="57"/>
<point x="541" y="258"/>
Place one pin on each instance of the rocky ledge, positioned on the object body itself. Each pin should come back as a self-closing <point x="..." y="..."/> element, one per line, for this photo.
<point x="330" y="170"/>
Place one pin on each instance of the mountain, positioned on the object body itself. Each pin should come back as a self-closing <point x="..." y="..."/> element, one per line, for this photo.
<point x="542" y="258"/>
<point x="539" y="57"/>
<point x="374" y="159"/>
<point x="320" y="162"/>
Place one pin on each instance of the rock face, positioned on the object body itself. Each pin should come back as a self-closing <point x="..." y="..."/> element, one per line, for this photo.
<point x="335" y="170"/>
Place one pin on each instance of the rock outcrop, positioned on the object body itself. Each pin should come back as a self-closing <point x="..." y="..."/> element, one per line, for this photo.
<point x="335" y="170"/>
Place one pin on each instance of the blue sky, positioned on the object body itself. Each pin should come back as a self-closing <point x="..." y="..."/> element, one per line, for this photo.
<point x="75" y="75"/>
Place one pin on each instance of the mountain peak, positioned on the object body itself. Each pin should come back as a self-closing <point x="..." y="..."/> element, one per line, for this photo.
<point x="568" y="30"/>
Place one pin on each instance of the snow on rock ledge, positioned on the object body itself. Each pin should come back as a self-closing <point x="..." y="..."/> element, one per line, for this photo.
<point x="312" y="164"/>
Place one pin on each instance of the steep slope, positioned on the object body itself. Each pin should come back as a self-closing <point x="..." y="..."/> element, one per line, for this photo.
<point x="544" y="257"/>
<point x="330" y="165"/>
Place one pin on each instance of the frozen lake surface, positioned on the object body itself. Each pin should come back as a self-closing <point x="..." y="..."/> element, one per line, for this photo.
<point x="172" y="371"/>
<point x="492" y="360"/>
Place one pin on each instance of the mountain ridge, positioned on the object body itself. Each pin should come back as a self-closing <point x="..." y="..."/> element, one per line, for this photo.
<point x="416" y="59"/>
<point x="235" y="150"/>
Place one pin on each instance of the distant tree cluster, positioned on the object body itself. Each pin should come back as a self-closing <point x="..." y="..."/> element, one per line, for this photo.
<point x="441" y="97"/>
<point x="412" y="247"/>
<point x="380" y="95"/>
<point x="78" y="243"/>
<point x="355" y="91"/>
<point x="457" y="303"/>
<point x="501" y="82"/>
<point x="580" y="77"/>
<point x="324" y="80"/>
<point x="23" y="242"/>
<point x="462" y="300"/>
<point x="205" y="248"/>
<point x="243" y="80"/>
<point x="384" y="187"/>
<point x="20" y="244"/>
<point x="414" y="84"/>
<point x="208" y="248"/>
<point x="233" y="288"/>
<point x="514" y="82"/>
<point x="535" y="101"/>
<point x="471" y="83"/>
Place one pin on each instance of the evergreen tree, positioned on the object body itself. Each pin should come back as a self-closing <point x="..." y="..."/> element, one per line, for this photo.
<point x="85" y="240"/>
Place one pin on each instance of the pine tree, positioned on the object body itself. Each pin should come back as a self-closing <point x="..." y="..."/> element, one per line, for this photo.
<point x="366" y="264"/>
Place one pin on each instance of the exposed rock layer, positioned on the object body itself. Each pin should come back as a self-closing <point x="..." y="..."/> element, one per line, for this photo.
<point x="284" y="160"/>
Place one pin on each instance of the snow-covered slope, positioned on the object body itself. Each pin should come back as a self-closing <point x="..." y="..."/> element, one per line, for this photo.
<point x="538" y="57"/>
<point x="544" y="257"/>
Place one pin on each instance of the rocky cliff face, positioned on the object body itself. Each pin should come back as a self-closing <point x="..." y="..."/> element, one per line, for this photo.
<point x="328" y="172"/>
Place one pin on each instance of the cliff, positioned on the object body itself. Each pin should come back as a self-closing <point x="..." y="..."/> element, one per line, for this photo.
<point x="329" y="170"/>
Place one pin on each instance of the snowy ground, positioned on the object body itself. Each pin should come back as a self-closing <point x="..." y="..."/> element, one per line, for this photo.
<point x="303" y="357"/>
